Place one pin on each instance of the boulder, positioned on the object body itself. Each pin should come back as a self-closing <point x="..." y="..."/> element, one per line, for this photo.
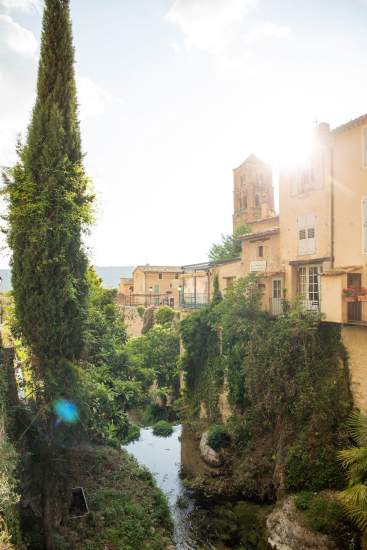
<point x="208" y="454"/>
<point x="287" y="533"/>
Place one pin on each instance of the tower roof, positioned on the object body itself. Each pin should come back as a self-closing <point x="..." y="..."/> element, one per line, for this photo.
<point x="251" y="159"/>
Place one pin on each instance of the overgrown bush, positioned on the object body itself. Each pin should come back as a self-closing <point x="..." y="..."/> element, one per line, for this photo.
<point x="140" y="310"/>
<point x="218" y="437"/>
<point x="164" y="315"/>
<point x="288" y="384"/>
<point x="162" y="429"/>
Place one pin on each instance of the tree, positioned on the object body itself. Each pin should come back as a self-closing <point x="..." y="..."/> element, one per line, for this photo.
<point x="354" y="461"/>
<point x="230" y="247"/>
<point x="217" y="295"/>
<point x="49" y="209"/>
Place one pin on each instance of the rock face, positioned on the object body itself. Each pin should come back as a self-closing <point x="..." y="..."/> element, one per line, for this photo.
<point x="207" y="453"/>
<point x="286" y="532"/>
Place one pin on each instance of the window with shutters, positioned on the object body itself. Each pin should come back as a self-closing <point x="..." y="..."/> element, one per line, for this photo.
<point x="364" y="224"/>
<point x="306" y="235"/>
<point x="364" y="146"/>
<point x="309" y="286"/>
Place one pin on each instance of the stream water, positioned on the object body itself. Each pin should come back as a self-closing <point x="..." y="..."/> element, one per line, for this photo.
<point x="197" y="523"/>
<point x="162" y="456"/>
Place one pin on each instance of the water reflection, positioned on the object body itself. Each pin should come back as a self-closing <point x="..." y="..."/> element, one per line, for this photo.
<point x="162" y="456"/>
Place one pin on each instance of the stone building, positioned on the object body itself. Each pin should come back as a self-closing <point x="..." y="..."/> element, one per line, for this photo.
<point x="151" y="285"/>
<point x="253" y="193"/>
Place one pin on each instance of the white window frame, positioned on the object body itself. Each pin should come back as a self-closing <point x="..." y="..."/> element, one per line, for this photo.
<point x="305" y="225"/>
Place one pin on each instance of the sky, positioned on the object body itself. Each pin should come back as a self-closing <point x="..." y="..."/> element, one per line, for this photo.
<point x="174" y="94"/>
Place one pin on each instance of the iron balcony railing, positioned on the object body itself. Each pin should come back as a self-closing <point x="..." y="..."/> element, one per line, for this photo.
<point x="193" y="301"/>
<point x="147" y="300"/>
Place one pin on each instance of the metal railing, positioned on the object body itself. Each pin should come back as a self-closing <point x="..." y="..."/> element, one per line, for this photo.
<point x="147" y="300"/>
<point x="357" y="312"/>
<point x="193" y="301"/>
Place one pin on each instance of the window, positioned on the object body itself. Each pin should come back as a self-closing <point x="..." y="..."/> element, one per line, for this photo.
<point x="306" y="235"/>
<point x="160" y="276"/>
<point x="365" y="147"/>
<point x="260" y="252"/>
<point x="277" y="289"/>
<point x="176" y="275"/>
<point x="309" y="286"/>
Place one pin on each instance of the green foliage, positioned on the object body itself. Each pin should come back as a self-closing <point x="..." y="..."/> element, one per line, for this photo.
<point x="140" y="310"/>
<point x="324" y="514"/>
<point x="288" y="383"/>
<point x="154" y="356"/>
<point x="354" y="461"/>
<point x="127" y="509"/>
<point x="153" y="413"/>
<point x="217" y="295"/>
<point x="218" y="437"/>
<point x="230" y="246"/>
<point x="162" y="428"/>
<point x="164" y="315"/>
<point x="49" y="210"/>
<point x="132" y="435"/>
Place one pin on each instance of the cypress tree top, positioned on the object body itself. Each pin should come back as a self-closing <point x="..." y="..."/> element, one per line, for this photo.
<point x="50" y="207"/>
<point x="56" y="79"/>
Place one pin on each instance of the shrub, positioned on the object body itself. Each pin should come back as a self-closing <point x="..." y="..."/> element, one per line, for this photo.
<point x="140" y="310"/>
<point x="218" y="437"/>
<point x="165" y="314"/>
<point x="133" y="434"/>
<point x="303" y="499"/>
<point x="162" y="428"/>
<point x="153" y="413"/>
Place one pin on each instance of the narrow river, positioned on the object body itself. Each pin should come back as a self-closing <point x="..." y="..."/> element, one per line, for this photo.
<point x="197" y="523"/>
<point x="162" y="456"/>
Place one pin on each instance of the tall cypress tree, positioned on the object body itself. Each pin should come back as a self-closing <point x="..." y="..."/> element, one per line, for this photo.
<point x="49" y="209"/>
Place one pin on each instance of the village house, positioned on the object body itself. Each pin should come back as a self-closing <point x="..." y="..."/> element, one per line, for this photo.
<point x="151" y="285"/>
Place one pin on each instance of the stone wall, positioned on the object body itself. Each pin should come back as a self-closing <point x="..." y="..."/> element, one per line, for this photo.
<point x="133" y="321"/>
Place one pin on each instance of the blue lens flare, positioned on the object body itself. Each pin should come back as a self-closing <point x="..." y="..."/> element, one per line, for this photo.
<point x="66" y="411"/>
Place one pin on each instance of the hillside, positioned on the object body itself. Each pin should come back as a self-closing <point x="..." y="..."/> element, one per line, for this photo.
<point x="110" y="276"/>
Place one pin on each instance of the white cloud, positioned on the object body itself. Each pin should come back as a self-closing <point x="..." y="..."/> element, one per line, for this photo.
<point x="93" y="99"/>
<point x="21" y="5"/>
<point x="266" y="29"/>
<point x="208" y="24"/>
<point x="17" y="38"/>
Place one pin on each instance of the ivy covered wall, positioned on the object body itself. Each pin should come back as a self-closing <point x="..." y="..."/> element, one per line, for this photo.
<point x="288" y="384"/>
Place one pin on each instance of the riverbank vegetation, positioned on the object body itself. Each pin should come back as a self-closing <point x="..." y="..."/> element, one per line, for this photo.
<point x="77" y="386"/>
<point x="286" y="381"/>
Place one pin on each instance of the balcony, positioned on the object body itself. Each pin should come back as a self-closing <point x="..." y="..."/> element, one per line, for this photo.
<point x="193" y="301"/>
<point x="146" y="300"/>
<point x="357" y="310"/>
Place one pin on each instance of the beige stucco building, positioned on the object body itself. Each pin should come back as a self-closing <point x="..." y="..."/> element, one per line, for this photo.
<point x="151" y="285"/>
<point x="323" y="237"/>
<point x="253" y="193"/>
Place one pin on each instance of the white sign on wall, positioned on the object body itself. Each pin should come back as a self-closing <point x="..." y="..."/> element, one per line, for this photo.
<point x="258" y="265"/>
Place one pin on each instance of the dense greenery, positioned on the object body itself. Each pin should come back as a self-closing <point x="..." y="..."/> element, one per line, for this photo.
<point x="287" y="381"/>
<point x="9" y="520"/>
<point x="218" y="437"/>
<point x="127" y="510"/>
<point x="354" y="460"/>
<point x="162" y="428"/>
<point x="164" y="315"/>
<point x="229" y="247"/>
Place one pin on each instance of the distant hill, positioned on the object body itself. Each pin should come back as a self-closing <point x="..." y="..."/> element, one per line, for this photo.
<point x="110" y="276"/>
